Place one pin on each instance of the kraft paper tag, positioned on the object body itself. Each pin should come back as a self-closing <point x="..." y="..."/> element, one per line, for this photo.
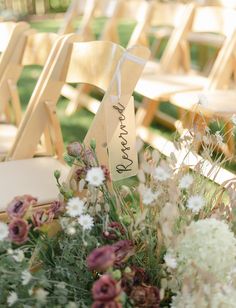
<point x="121" y="138"/>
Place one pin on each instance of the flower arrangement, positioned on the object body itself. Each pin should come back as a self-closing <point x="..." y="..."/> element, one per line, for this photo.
<point x="167" y="241"/>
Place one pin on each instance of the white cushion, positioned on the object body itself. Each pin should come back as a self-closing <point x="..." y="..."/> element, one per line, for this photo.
<point x="30" y="176"/>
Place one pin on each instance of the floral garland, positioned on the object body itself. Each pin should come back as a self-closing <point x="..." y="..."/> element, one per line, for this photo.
<point x="168" y="241"/>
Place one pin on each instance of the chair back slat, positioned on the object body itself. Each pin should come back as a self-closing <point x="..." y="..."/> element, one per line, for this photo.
<point x="6" y="29"/>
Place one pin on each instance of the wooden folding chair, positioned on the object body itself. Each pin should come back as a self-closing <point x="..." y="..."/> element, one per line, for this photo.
<point x="116" y="12"/>
<point x="159" y="87"/>
<point x="32" y="49"/>
<point x="10" y="35"/>
<point x="103" y="64"/>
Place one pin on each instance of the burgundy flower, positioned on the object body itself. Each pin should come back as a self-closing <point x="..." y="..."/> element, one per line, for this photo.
<point x="100" y="259"/>
<point x="19" y="205"/>
<point x="123" y="250"/>
<point x="105" y="289"/>
<point x="106" y="173"/>
<point x="145" y="296"/>
<point x="111" y="304"/>
<point x="136" y="277"/>
<point x="113" y="231"/>
<point x="41" y="217"/>
<point x="80" y="173"/>
<point x="75" y="149"/>
<point x="18" y="230"/>
<point x="56" y="207"/>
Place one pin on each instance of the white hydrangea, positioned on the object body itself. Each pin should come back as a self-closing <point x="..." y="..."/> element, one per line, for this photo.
<point x="12" y="298"/>
<point x="209" y="245"/>
<point x="75" y="207"/>
<point x="186" y="181"/>
<point x="195" y="203"/>
<point x="216" y="296"/>
<point x="3" y="231"/>
<point x="161" y="174"/>
<point x="95" y="176"/>
<point x="86" y="221"/>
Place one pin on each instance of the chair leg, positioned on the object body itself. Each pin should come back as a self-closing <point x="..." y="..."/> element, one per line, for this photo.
<point x="230" y="138"/>
<point x="146" y="112"/>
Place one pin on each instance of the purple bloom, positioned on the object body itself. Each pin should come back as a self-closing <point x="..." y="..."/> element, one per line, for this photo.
<point x="19" y="206"/>
<point x="145" y="296"/>
<point x="100" y="259"/>
<point x="75" y="149"/>
<point x="41" y="217"/>
<point x="105" y="289"/>
<point x="123" y="250"/>
<point x="18" y="230"/>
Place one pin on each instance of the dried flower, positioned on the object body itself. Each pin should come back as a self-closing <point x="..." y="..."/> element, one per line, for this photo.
<point x="114" y="230"/>
<point x="12" y="298"/>
<point x="105" y="289"/>
<point x="148" y="196"/>
<point x="106" y="172"/>
<point x="41" y="217"/>
<point x="75" y="149"/>
<point x="95" y="176"/>
<point x="195" y="203"/>
<point x="18" y="230"/>
<point x="56" y="207"/>
<point x="186" y="181"/>
<point x="3" y="231"/>
<point x="19" y="205"/>
<point x="75" y="207"/>
<point x="86" y="221"/>
<point x="161" y="174"/>
<point x="136" y="276"/>
<point x="145" y="296"/>
<point x="80" y="173"/>
<point x="100" y="259"/>
<point x="123" y="250"/>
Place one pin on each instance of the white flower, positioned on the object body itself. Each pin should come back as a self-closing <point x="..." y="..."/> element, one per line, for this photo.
<point x="26" y="277"/>
<point x="95" y="176"/>
<point x="208" y="245"/>
<point x="195" y="203"/>
<point x="233" y="119"/>
<point x="148" y="196"/>
<point x="161" y="174"/>
<point x="3" y="231"/>
<point x="70" y="230"/>
<point x="186" y="181"/>
<point x="41" y="295"/>
<point x="86" y="221"/>
<point x="75" y="207"/>
<point x="170" y="261"/>
<point x="18" y="255"/>
<point x="12" y="298"/>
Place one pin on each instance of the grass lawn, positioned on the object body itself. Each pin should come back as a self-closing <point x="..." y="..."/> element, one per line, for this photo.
<point x="75" y="127"/>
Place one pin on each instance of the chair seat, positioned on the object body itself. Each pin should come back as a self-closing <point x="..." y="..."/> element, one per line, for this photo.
<point x="7" y="137"/>
<point x="30" y="176"/>
<point x="218" y="102"/>
<point x="156" y="86"/>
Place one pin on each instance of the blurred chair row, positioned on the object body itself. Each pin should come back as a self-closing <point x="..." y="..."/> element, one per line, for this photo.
<point x="38" y="132"/>
<point x="211" y="28"/>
